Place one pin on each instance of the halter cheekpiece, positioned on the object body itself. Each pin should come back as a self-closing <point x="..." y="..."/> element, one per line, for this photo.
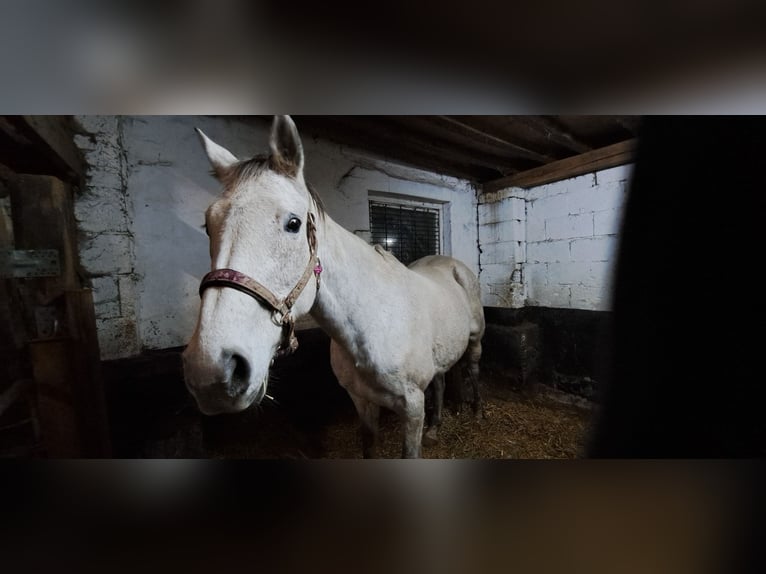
<point x="281" y="309"/>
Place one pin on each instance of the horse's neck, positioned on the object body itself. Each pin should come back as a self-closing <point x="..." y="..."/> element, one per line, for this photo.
<point x="353" y="281"/>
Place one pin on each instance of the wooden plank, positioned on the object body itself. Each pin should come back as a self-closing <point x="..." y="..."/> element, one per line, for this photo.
<point x="42" y="212"/>
<point x="70" y="394"/>
<point x="602" y="158"/>
<point x="59" y="425"/>
<point x="88" y="388"/>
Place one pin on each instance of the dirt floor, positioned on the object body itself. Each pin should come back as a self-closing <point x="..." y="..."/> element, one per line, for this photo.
<point x="515" y="427"/>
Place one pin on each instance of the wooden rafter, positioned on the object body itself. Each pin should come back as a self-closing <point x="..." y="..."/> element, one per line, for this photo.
<point x="557" y="134"/>
<point x="473" y="132"/>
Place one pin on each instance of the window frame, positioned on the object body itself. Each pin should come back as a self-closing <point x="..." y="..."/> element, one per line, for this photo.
<point x="440" y="207"/>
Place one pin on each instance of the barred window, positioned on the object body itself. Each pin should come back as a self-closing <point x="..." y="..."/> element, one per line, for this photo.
<point x="409" y="232"/>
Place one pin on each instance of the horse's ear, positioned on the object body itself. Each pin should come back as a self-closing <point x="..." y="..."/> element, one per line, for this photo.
<point x="286" y="146"/>
<point x="220" y="158"/>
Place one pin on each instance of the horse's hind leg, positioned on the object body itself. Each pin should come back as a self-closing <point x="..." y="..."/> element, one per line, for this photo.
<point x="471" y="369"/>
<point x="431" y="437"/>
<point x="369" y="414"/>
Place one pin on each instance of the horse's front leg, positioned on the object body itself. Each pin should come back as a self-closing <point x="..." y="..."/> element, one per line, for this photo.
<point x="412" y="412"/>
<point x="431" y="437"/>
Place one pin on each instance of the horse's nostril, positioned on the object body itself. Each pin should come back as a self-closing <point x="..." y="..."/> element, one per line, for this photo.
<point x="241" y="370"/>
<point x="238" y="370"/>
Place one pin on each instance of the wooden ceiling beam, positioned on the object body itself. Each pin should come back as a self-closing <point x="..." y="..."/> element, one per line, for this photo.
<point x="629" y="124"/>
<point x="602" y="158"/>
<point x="472" y="132"/>
<point x="381" y="137"/>
<point x="58" y="134"/>
<point x="558" y="134"/>
<point x="42" y="145"/>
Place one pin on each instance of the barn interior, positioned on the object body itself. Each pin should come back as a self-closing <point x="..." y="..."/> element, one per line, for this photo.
<point x="103" y="248"/>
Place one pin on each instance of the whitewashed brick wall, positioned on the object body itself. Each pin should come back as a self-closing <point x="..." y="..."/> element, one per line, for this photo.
<point x="561" y="242"/>
<point x="502" y="249"/>
<point x="104" y="215"/>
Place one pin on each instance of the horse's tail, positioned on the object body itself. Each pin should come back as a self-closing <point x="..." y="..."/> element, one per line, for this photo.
<point x="470" y="283"/>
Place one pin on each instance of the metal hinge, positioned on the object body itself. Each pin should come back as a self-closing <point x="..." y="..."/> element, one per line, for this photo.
<point x="21" y="263"/>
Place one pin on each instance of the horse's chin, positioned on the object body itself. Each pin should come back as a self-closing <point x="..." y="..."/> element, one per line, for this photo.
<point x="253" y="396"/>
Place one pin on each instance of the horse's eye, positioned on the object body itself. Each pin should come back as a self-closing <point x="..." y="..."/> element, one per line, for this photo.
<point x="207" y="232"/>
<point x="293" y="225"/>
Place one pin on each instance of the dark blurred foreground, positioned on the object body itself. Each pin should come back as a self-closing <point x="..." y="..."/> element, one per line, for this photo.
<point x="686" y="366"/>
<point x="427" y="516"/>
<point x="245" y="57"/>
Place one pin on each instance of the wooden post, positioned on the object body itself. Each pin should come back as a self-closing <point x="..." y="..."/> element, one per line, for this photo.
<point x="65" y="355"/>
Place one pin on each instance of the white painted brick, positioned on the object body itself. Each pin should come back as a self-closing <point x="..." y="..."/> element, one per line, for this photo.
<point x="507" y="252"/>
<point x="104" y="178"/>
<point x="104" y="156"/>
<point x="117" y="338"/>
<point x="501" y="194"/>
<point x="101" y="209"/>
<point x="594" y="249"/>
<point x="589" y="273"/>
<point x="97" y="124"/>
<point x="106" y="254"/>
<point x="547" y="190"/>
<point x="517" y="208"/>
<point x="565" y="273"/>
<point x="559" y="189"/>
<point x="548" y="251"/>
<point x="128" y="294"/>
<point x="496" y="273"/>
<point x="621" y="173"/>
<point x="536" y="275"/>
<point x="106" y="297"/>
<point x="503" y="231"/>
<point x="492" y="299"/>
<point x="547" y="207"/>
<point x="488" y="213"/>
<point x="99" y="149"/>
<point x="535" y="227"/>
<point x="508" y="209"/>
<point x="594" y="199"/>
<point x="577" y="183"/>
<point x="569" y="226"/>
<point x="607" y="222"/>
<point x="588" y="297"/>
<point x="552" y="296"/>
<point x="503" y="294"/>
<point x="560" y="297"/>
<point x="520" y="252"/>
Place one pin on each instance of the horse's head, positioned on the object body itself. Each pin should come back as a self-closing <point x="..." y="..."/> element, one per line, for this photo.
<point x="261" y="246"/>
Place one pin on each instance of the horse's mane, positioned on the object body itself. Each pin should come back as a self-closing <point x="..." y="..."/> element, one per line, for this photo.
<point x="244" y="170"/>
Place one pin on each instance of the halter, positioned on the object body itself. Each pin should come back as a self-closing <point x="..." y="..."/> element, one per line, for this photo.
<point x="281" y="309"/>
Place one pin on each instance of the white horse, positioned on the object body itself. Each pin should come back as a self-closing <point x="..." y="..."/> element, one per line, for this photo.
<point x="394" y="329"/>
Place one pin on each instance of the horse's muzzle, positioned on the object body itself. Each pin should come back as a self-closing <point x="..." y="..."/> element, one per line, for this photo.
<point x="224" y="388"/>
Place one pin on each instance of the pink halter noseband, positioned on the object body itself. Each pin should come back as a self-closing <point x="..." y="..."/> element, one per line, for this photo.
<point x="281" y="309"/>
